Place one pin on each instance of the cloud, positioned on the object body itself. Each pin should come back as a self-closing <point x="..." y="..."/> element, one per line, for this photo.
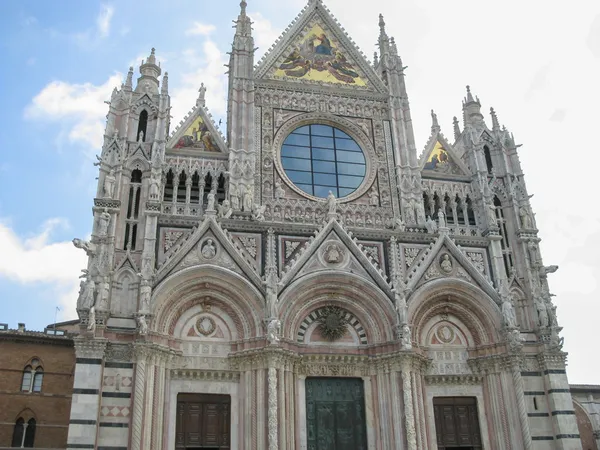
<point x="79" y="107"/>
<point x="264" y="34"/>
<point x="104" y="19"/>
<point x="200" y="29"/>
<point x="94" y="36"/>
<point x="593" y="39"/>
<point x="36" y="260"/>
<point x="202" y="67"/>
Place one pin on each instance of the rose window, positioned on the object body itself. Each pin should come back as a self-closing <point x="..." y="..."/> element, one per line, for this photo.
<point x="322" y="158"/>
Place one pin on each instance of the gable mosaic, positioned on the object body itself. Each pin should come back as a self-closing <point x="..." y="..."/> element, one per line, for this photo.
<point x="317" y="58"/>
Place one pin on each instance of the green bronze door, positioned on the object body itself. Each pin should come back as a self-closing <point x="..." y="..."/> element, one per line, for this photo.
<point x="335" y="414"/>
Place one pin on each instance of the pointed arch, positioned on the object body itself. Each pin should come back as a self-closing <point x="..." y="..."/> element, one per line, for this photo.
<point x="359" y="296"/>
<point x="125" y="289"/>
<point x="476" y="310"/>
<point x="207" y="284"/>
<point x="142" y="126"/>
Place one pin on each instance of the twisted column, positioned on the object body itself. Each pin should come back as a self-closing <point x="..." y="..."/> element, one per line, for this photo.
<point x="409" y="413"/>
<point x="138" y="401"/>
<point x="518" y="382"/>
<point x="272" y="411"/>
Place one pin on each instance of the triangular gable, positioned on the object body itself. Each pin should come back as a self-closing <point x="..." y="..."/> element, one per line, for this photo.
<point x="127" y="263"/>
<point x="195" y="251"/>
<point x="317" y="250"/>
<point x="440" y="159"/>
<point x="197" y="132"/>
<point x="139" y="152"/>
<point x="432" y="266"/>
<point x="316" y="49"/>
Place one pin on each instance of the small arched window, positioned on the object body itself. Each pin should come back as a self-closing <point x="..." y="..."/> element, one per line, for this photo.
<point x="33" y="376"/>
<point x="142" y="126"/>
<point x="29" y="434"/>
<point x="18" y="435"/>
<point x="27" y="377"/>
<point x="488" y="159"/>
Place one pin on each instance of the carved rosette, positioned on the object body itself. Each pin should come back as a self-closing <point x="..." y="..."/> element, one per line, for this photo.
<point x="332" y="322"/>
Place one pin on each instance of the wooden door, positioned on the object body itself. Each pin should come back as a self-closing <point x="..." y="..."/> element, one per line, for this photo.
<point x="203" y="422"/>
<point x="456" y="423"/>
<point x="335" y="414"/>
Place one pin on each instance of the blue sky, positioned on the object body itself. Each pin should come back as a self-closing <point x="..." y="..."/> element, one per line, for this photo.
<point x="538" y="65"/>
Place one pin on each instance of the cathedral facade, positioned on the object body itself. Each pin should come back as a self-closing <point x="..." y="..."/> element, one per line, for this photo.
<point x="310" y="280"/>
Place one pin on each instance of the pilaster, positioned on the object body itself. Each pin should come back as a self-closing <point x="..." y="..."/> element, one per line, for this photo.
<point x="87" y="388"/>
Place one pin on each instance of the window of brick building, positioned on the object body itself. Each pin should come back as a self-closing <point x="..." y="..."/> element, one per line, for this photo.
<point x="23" y="433"/>
<point x="33" y="375"/>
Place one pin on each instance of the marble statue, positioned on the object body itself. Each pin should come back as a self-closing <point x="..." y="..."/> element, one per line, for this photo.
<point x="210" y="205"/>
<point x="225" y="210"/>
<point x="234" y="197"/>
<point x="103" y="295"/>
<point x="142" y="324"/>
<point x="508" y="313"/>
<point x="141" y="136"/>
<point x="273" y="331"/>
<point x="525" y="217"/>
<point x="154" y="189"/>
<point x="92" y="319"/>
<point x="399" y="224"/>
<point x="248" y="197"/>
<point x="109" y="184"/>
<point x="279" y="191"/>
<point x="401" y="307"/>
<point x="209" y="250"/>
<point x="145" y="295"/>
<point x="543" y="320"/>
<point x="331" y="204"/>
<point x="406" y="339"/>
<point x="430" y="225"/>
<point x="441" y="219"/>
<point x="373" y="198"/>
<point x="258" y="212"/>
<point x="86" y="294"/>
<point x="103" y="222"/>
<point x="446" y="264"/>
<point x="491" y="215"/>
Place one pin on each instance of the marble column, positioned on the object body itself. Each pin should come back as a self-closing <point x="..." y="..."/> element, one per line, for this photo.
<point x="409" y="413"/>
<point x="522" y="410"/>
<point x="137" y="418"/>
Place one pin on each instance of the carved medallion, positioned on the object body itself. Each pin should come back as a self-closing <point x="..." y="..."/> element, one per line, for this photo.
<point x="208" y="249"/>
<point x="332" y="322"/>
<point x="206" y="325"/>
<point x="445" y="334"/>
<point x="446" y="263"/>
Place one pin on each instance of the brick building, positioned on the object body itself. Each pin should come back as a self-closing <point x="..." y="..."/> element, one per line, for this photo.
<point x="36" y="385"/>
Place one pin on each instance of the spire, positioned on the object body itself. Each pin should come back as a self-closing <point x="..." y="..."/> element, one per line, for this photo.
<point x="456" y="129"/>
<point x="393" y="48"/>
<point x="148" y="82"/>
<point x="165" y="84"/>
<point x="469" y="97"/>
<point x="435" y="126"/>
<point x="383" y="37"/>
<point x="129" y="80"/>
<point x="472" y="109"/>
<point x="382" y="33"/>
<point x="201" y="96"/>
<point x="495" y="123"/>
<point x="243" y="23"/>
